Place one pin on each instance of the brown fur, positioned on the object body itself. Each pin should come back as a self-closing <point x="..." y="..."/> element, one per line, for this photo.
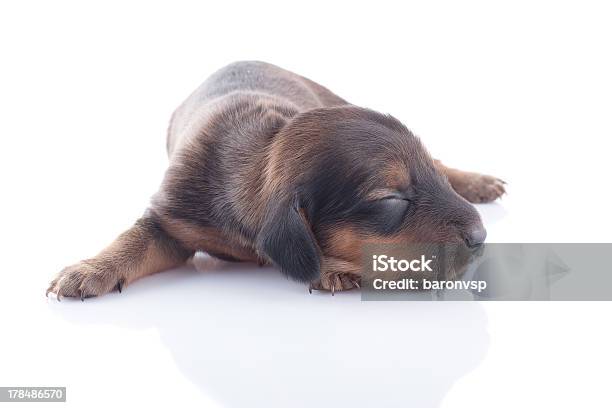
<point x="267" y="166"/>
<point x="142" y="250"/>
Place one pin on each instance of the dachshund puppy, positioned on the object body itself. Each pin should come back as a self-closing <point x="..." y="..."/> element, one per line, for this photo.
<point x="270" y="167"/>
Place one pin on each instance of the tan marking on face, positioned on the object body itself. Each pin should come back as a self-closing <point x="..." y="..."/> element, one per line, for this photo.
<point x="346" y="242"/>
<point x="393" y="178"/>
<point x="397" y="176"/>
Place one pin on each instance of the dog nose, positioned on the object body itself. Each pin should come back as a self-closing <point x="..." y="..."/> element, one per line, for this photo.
<point x="476" y="237"/>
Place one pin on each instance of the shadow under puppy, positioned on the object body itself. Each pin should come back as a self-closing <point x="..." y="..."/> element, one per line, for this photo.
<point x="270" y="167"/>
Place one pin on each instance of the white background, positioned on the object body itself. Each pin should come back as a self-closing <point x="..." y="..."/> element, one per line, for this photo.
<point x="521" y="90"/>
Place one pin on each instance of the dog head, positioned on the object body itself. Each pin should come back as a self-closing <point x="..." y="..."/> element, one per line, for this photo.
<point x="338" y="178"/>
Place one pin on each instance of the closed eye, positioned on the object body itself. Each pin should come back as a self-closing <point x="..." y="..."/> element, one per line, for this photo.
<point x="396" y="197"/>
<point x="385" y="214"/>
<point x="389" y="194"/>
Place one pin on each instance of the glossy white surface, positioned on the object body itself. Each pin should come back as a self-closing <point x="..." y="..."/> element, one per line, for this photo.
<point x="520" y="91"/>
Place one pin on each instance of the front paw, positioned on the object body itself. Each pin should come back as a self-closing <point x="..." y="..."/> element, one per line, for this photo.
<point x="85" y="279"/>
<point x="481" y="188"/>
<point x="336" y="282"/>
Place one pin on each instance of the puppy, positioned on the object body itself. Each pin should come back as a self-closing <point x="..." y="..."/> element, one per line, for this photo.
<point x="270" y="167"/>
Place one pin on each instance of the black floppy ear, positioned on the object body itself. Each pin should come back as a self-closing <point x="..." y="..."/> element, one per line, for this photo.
<point x="287" y="240"/>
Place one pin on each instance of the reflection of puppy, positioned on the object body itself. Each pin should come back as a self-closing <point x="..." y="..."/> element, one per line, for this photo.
<point x="267" y="166"/>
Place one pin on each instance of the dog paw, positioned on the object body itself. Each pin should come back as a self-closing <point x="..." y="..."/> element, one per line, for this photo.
<point x="85" y="279"/>
<point x="334" y="282"/>
<point x="480" y="188"/>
